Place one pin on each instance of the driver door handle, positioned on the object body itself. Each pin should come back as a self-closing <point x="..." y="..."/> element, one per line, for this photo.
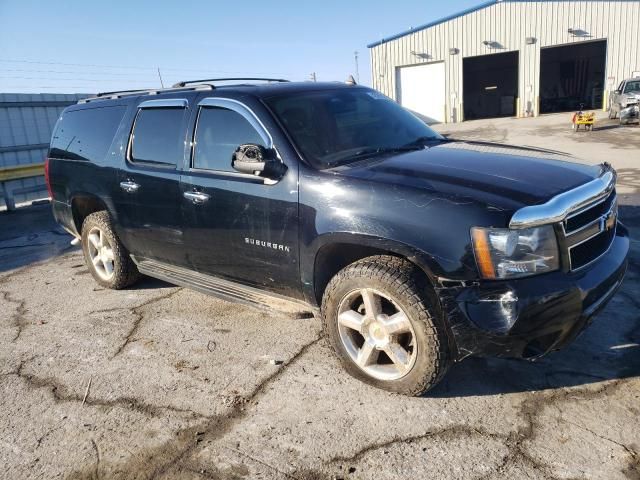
<point x="129" y="186"/>
<point x="196" y="197"/>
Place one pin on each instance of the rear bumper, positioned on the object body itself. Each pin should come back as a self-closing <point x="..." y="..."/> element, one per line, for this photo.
<point x="63" y="214"/>
<point x="529" y="317"/>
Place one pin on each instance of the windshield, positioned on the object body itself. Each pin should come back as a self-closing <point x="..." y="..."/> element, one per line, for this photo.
<point x="336" y="127"/>
<point x="632" y="87"/>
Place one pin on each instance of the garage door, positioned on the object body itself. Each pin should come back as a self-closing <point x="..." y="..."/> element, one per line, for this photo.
<point x="490" y="85"/>
<point x="571" y="75"/>
<point x="421" y="89"/>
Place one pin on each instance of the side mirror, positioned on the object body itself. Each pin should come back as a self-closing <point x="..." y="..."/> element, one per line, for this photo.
<point x="257" y="160"/>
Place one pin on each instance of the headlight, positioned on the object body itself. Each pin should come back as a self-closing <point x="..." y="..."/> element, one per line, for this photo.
<point x="505" y="253"/>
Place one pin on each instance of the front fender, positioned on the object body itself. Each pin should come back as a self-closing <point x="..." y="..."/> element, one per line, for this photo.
<point x="430" y="228"/>
<point x="337" y="241"/>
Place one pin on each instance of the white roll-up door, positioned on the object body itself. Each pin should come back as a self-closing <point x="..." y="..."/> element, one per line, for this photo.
<point x="421" y="89"/>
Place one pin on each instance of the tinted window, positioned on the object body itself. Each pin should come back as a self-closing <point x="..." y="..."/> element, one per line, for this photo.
<point x="86" y="134"/>
<point x="220" y="131"/>
<point x="158" y="136"/>
<point x="335" y="127"/>
<point x="632" y="87"/>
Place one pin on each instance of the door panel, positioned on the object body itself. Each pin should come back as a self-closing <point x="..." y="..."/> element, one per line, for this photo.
<point x="155" y="216"/>
<point x="238" y="226"/>
<point x="246" y="231"/>
<point x="150" y="182"/>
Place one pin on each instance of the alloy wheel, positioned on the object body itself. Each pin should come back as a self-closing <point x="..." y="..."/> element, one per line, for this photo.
<point x="377" y="334"/>
<point x="100" y="253"/>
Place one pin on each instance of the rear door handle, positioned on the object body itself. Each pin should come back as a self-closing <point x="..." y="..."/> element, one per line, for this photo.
<point x="196" y="197"/>
<point x="129" y="187"/>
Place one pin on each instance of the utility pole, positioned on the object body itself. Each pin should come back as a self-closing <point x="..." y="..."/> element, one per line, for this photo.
<point x="160" y="77"/>
<point x="313" y="77"/>
<point x="355" y="54"/>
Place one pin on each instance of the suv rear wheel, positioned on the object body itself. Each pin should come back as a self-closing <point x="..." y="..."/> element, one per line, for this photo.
<point x="106" y="257"/>
<point x="384" y="323"/>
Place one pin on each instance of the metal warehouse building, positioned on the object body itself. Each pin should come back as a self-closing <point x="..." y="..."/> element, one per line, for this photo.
<point x="511" y="58"/>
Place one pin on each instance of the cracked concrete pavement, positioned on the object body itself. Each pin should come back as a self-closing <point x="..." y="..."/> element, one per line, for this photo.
<point x="164" y="382"/>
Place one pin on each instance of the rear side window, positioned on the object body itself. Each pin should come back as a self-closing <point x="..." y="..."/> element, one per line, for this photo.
<point x="219" y="132"/>
<point x="158" y="136"/>
<point x="86" y="134"/>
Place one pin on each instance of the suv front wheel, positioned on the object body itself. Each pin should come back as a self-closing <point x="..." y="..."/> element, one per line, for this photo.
<point x="384" y="323"/>
<point x="107" y="259"/>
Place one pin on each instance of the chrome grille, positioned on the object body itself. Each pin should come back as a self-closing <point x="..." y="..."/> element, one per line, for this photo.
<point x="586" y="216"/>
<point x="590" y="231"/>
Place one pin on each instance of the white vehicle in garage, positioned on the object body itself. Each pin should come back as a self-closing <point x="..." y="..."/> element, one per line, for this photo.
<point x="625" y="101"/>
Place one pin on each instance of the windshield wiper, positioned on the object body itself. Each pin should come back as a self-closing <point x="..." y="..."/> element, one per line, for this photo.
<point x="373" y="152"/>
<point x="421" y="141"/>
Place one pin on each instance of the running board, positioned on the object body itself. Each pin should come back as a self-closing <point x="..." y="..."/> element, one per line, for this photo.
<point x="217" y="287"/>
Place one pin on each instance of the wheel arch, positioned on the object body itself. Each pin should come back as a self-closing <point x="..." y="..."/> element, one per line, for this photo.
<point x="336" y="251"/>
<point x="341" y="250"/>
<point x="83" y="205"/>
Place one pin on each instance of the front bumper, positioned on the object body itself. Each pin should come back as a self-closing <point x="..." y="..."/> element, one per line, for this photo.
<point x="630" y="113"/>
<point x="529" y="317"/>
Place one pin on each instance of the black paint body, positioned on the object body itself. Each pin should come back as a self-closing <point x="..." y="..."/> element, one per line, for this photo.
<point x="420" y="205"/>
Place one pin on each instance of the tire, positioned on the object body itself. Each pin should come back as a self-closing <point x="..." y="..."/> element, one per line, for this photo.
<point x="101" y="247"/>
<point x="392" y="286"/>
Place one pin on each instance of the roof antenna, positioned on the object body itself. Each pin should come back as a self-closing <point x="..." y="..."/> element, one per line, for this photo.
<point x="160" y="76"/>
<point x="351" y="80"/>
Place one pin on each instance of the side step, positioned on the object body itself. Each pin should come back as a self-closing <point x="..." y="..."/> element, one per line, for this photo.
<point x="224" y="289"/>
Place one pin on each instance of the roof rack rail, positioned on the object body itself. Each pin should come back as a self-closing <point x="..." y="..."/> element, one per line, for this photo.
<point x="231" y="79"/>
<point x="148" y="91"/>
<point x="120" y="92"/>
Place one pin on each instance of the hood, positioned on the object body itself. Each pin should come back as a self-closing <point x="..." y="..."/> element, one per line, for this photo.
<point x="631" y="97"/>
<point x="483" y="171"/>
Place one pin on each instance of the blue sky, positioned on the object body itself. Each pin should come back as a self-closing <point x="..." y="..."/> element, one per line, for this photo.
<point x="90" y="46"/>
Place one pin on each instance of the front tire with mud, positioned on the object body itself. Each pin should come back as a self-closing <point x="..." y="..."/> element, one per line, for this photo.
<point x="107" y="259"/>
<point x="383" y="320"/>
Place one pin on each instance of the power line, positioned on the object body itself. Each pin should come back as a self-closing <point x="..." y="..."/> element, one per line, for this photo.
<point x="138" y="67"/>
<point x="75" y="79"/>
<point x="47" y="87"/>
<point x="73" y="64"/>
<point x="67" y="72"/>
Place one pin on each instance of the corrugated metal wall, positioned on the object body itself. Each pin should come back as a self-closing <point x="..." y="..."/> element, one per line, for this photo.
<point x="509" y="23"/>
<point x="26" y="123"/>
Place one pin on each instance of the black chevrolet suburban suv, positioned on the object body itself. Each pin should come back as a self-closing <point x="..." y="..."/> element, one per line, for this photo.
<point x="417" y="251"/>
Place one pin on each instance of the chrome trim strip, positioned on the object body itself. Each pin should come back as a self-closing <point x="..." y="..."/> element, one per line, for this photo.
<point x="169" y="102"/>
<point x="557" y="209"/>
<point x="243" y="110"/>
<point x="584" y="209"/>
<point x="225" y="173"/>
<point x="595" y="306"/>
<point x="613" y="239"/>
<point x="250" y="116"/>
<point x="602" y="219"/>
<point x="612" y="208"/>
<point x="580" y="233"/>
